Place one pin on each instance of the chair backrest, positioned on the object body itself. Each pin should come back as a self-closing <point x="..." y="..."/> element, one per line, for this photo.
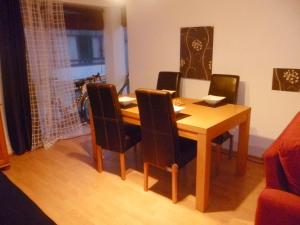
<point x="108" y="123"/>
<point x="158" y="126"/>
<point x="225" y="85"/>
<point x="169" y="81"/>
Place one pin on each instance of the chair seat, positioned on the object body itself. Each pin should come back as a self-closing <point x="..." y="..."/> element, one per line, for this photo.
<point x="187" y="151"/>
<point x="222" y="138"/>
<point x="132" y="135"/>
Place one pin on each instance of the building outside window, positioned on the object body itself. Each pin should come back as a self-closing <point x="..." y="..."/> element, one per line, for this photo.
<point x="84" y="25"/>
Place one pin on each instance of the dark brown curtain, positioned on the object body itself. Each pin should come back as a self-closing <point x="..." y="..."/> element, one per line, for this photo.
<point x="80" y="17"/>
<point x="14" y="76"/>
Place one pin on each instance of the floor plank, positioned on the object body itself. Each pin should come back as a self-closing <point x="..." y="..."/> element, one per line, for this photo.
<point x="63" y="182"/>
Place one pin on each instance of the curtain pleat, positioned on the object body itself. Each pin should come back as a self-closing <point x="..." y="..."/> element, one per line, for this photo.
<point x="14" y="76"/>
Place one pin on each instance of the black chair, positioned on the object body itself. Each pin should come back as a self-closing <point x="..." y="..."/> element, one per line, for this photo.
<point x="111" y="133"/>
<point x="161" y="145"/>
<point x="224" y="85"/>
<point x="169" y="81"/>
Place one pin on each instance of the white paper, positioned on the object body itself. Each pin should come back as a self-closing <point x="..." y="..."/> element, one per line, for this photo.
<point x="170" y="91"/>
<point x="213" y="99"/>
<point x="125" y="100"/>
<point x="178" y="108"/>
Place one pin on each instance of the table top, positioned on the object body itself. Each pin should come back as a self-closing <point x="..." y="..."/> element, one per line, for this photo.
<point x="203" y="119"/>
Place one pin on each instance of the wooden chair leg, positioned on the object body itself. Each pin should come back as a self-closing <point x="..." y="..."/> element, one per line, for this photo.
<point x="218" y="157"/>
<point x="146" y="174"/>
<point x="99" y="159"/>
<point x="230" y="146"/>
<point x="122" y="165"/>
<point x="174" y="182"/>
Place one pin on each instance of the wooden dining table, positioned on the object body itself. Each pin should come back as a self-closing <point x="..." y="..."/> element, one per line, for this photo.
<point x="203" y="123"/>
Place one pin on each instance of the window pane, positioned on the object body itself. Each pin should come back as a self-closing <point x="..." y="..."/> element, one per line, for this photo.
<point x="96" y="47"/>
<point x="73" y="51"/>
<point x="84" y="44"/>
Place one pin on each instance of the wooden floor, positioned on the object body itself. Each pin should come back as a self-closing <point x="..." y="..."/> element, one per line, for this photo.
<point x="64" y="183"/>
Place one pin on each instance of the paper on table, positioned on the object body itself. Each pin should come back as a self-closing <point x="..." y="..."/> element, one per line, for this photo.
<point x="170" y="91"/>
<point x="178" y="108"/>
<point x="213" y="99"/>
<point x="125" y="100"/>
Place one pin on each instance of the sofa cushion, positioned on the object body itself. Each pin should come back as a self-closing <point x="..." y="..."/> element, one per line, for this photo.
<point x="289" y="155"/>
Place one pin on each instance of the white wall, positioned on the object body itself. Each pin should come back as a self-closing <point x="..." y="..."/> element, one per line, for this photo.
<point x="250" y="39"/>
<point x="114" y="47"/>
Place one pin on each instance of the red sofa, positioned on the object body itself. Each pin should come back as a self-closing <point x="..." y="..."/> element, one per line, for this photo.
<point x="279" y="202"/>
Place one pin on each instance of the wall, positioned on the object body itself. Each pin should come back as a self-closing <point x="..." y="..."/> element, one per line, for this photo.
<point x="250" y="39"/>
<point x="114" y="47"/>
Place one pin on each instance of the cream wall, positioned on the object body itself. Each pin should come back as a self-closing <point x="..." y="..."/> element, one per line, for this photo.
<point x="114" y="47"/>
<point x="250" y="39"/>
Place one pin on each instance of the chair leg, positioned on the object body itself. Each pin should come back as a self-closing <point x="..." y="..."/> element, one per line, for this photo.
<point x="218" y="157"/>
<point x="122" y="165"/>
<point x="230" y="146"/>
<point x="99" y="159"/>
<point x="146" y="174"/>
<point x="174" y="182"/>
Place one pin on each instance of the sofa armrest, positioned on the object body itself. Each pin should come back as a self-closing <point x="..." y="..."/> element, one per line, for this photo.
<point x="275" y="177"/>
<point x="277" y="208"/>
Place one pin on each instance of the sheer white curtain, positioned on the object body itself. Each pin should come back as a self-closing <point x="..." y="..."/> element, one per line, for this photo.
<point x="52" y="91"/>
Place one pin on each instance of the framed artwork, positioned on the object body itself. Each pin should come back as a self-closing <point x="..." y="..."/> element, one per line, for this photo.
<point x="196" y="49"/>
<point x="286" y="79"/>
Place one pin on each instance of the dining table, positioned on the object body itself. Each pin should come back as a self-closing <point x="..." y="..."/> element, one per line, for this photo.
<point x="202" y="123"/>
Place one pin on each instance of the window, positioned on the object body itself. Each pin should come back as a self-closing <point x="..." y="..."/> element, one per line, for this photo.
<point x="85" y="34"/>
<point x="85" y="47"/>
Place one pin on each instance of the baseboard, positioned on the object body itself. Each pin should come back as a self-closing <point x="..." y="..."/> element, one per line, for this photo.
<point x="251" y="158"/>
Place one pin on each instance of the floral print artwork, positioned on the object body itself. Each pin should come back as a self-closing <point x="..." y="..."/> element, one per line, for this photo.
<point x="196" y="47"/>
<point x="286" y="79"/>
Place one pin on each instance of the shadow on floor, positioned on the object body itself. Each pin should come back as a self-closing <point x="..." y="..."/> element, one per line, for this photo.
<point x="226" y="182"/>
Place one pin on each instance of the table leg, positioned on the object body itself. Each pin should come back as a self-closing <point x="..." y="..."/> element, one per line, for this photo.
<point x="243" y="142"/>
<point x="203" y="172"/>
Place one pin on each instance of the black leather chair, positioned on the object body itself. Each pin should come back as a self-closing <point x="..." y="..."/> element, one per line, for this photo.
<point x="169" y="81"/>
<point x="111" y="133"/>
<point x="224" y="85"/>
<point x="161" y="145"/>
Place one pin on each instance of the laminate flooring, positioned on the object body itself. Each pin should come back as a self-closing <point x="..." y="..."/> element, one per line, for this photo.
<point x="64" y="183"/>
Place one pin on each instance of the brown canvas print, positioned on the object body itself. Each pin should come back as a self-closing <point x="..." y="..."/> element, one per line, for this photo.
<point x="196" y="48"/>
<point x="286" y="79"/>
